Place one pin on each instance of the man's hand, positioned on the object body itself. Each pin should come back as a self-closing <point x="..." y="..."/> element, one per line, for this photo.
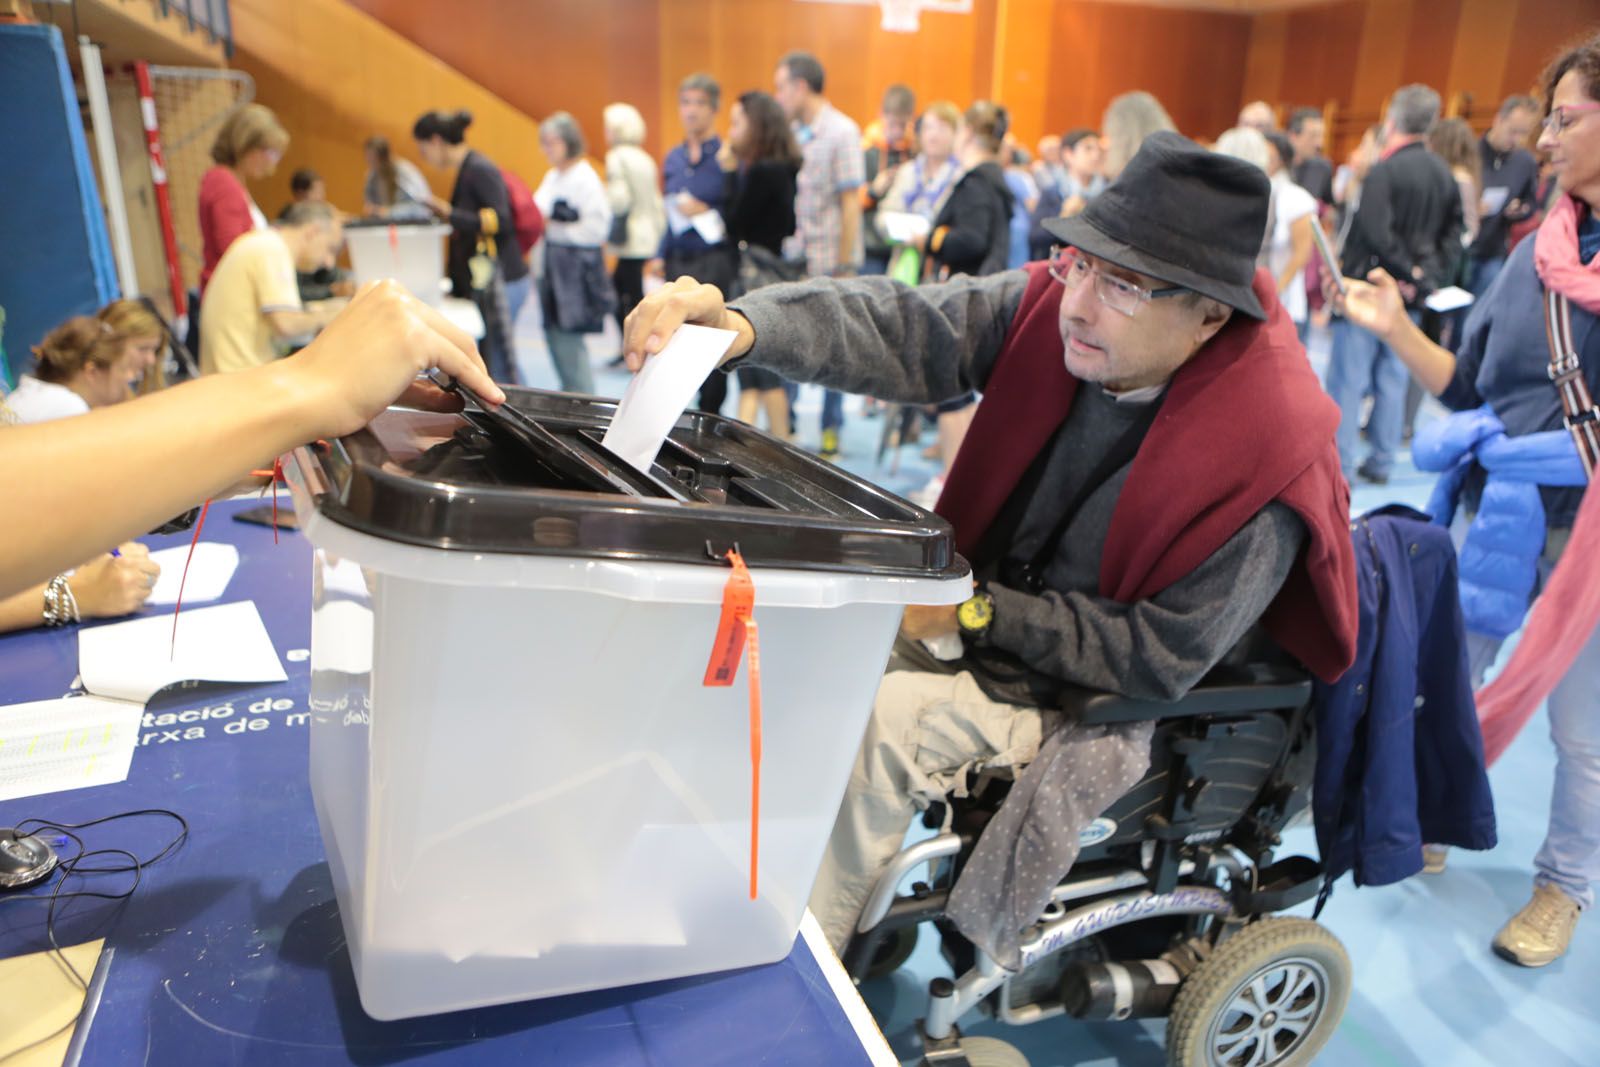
<point x="440" y="206"/>
<point x="1375" y="305"/>
<point x="922" y="622"/>
<point x="653" y="321"/>
<point x="1072" y="205"/>
<point x="881" y="182"/>
<point x="109" y="586"/>
<point x="655" y="268"/>
<point x="372" y="353"/>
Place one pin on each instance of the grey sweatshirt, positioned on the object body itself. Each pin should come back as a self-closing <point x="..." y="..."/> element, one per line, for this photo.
<point x="926" y="344"/>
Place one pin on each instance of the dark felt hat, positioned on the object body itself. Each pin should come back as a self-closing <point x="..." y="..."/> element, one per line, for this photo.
<point x="1183" y="214"/>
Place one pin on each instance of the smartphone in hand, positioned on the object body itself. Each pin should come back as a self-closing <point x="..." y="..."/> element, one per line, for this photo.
<point x="1330" y="262"/>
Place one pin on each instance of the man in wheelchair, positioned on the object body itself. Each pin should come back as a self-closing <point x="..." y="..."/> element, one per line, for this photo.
<point x="1150" y="475"/>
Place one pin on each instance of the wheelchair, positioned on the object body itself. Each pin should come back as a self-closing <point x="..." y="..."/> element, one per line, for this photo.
<point x="1169" y="909"/>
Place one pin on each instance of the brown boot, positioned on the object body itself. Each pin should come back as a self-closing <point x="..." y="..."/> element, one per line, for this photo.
<point x="1541" y="931"/>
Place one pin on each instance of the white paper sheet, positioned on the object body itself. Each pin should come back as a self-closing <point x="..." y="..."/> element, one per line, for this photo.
<point x="1494" y="200"/>
<point x="709" y="225"/>
<point x="1448" y="299"/>
<point x="209" y="572"/>
<point x="133" y="660"/>
<point x="51" y="745"/>
<point x="662" y="391"/>
<point x="903" y="226"/>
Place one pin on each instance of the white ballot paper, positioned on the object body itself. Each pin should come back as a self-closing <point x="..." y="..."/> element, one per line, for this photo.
<point x="1494" y="200"/>
<point x="662" y="391"/>
<point x="1448" y="299"/>
<point x="903" y="226"/>
<point x="135" y="659"/>
<point x="209" y="572"/>
<point x="51" y="745"/>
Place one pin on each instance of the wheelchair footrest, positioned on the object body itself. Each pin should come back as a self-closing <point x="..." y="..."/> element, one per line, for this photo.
<point x="1292" y="880"/>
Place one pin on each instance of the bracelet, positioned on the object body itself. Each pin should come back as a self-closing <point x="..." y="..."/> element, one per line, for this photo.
<point x="60" y="606"/>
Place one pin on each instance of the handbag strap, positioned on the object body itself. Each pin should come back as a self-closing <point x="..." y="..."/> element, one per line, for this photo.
<point x="1582" y="420"/>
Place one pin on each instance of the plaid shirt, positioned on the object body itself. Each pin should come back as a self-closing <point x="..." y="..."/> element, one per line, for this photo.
<point x="833" y="165"/>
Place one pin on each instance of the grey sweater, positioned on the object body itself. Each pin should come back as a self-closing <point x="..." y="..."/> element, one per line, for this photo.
<point x="922" y="345"/>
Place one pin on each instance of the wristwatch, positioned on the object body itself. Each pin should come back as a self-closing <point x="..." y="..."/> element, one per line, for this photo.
<point x="975" y="615"/>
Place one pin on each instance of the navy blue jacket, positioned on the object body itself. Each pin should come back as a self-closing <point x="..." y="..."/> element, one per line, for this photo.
<point x="1399" y="754"/>
<point x="1502" y="362"/>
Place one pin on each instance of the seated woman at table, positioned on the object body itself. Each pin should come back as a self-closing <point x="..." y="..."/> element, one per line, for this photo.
<point x="103" y="588"/>
<point x="112" y="474"/>
<point x="82" y="364"/>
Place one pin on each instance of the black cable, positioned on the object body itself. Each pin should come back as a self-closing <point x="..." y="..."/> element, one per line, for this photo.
<point x="73" y="866"/>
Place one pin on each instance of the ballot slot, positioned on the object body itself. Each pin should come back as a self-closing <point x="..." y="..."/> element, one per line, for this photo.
<point x="534" y="476"/>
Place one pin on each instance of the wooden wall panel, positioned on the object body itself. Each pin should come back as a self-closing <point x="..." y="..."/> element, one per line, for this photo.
<point x="579" y="55"/>
<point x="336" y="76"/>
<point x="1542" y="29"/>
<point x="1193" y="61"/>
<point x="1430" y="38"/>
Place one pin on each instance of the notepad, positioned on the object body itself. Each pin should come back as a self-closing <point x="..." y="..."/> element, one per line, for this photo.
<point x="210" y="571"/>
<point x="50" y="745"/>
<point x="1449" y="298"/>
<point x="903" y="226"/>
<point x="134" y="660"/>
<point x="661" y="391"/>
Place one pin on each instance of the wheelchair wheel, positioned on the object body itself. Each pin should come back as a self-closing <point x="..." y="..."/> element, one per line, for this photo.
<point x="893" y="951"/>
<point x="991" y="1052"/>
<point x="1270" y="996"/>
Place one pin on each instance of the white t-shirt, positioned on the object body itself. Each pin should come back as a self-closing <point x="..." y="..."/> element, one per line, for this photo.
<point x="1290" y="204"/>
<point x="38" y="401"/>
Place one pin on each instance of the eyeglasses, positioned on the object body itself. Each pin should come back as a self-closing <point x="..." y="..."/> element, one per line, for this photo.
<point x="1069" y="267"/>
<point x="1560" y="119"/>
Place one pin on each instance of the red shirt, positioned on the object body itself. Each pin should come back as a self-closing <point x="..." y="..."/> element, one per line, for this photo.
<point x="224" y="215"/>
<point x="1245" y="422"/>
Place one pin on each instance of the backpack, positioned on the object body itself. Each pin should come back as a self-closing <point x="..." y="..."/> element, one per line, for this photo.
<point x="526" y="218"/>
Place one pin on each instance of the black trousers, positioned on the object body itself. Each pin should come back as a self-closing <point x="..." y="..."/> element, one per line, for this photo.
<point x="714" y="267"/>
<point x="628" y="280"/>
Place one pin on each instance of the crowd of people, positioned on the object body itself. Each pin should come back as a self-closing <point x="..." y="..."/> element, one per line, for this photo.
<point x="798" y="190"/>
<point x="1146" y="282"/>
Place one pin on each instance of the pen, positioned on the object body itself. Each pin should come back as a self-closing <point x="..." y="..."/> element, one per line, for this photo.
<point x="116" y="553"/>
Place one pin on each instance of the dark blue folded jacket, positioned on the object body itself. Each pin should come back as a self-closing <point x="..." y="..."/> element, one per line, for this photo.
<point x="1399" y="754"/>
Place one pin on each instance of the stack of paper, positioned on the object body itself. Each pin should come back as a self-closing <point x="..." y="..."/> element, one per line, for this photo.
<point x="51" y="745"/>
<point x="210" y="571"/>
<point x="135" y="659"/>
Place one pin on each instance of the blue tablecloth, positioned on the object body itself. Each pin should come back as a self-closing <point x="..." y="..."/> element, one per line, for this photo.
<point x="231" y="951"/>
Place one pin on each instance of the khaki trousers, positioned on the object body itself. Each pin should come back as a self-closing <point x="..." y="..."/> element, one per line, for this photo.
<point x="927" y="731"/>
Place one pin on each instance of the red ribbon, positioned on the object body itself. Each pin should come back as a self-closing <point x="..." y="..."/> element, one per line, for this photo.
<point x="733" y="628"/>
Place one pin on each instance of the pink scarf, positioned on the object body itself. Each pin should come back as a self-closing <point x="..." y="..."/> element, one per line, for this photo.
<point x="1565" y="615"/>
<point x="1555" y="256"/>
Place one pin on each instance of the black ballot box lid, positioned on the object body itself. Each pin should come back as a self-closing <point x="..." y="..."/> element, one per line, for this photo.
<point x="534" y="478"/>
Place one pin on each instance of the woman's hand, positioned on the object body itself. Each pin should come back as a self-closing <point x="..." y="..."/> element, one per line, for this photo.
<point x="439" y="206"/>
<point x="109" y="585"/>
<point x="1376" y="305"/>
<point x="373" y="351"/>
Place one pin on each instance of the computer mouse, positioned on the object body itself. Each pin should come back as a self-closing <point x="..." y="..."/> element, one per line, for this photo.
<point x="25" y="859"/>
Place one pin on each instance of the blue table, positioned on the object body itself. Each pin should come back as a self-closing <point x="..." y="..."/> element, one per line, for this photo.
<point x="231" y="951"/>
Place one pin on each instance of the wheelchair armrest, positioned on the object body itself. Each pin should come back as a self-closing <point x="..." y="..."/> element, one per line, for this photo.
<point x="1253" y="687"/>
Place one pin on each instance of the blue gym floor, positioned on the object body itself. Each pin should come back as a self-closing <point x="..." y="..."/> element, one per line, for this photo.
<point x="1428" y="991"/>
